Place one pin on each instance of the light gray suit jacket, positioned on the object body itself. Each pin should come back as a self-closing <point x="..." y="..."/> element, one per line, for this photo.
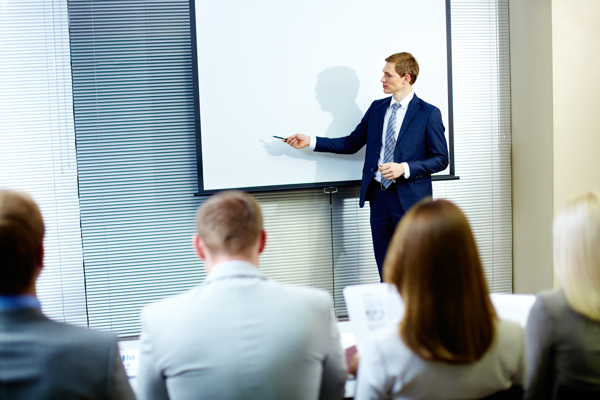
<point x="43" y="359"/>
<point x="241" y="336"/>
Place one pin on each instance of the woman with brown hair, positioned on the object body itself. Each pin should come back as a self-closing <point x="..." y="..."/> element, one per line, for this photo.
<point x="450" y="343"/>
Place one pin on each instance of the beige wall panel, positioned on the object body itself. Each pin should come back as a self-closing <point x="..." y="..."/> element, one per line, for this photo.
<point x="532" y="146"/>
<point x="576" y="83"/>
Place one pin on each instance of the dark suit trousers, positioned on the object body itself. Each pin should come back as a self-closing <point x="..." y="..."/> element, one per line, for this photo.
<point x="386" y="212"/>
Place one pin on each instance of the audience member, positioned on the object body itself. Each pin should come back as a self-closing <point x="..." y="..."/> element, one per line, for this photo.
<point x="563" y="330"/>
<point x="239" y="335"/>
<point x="450" y="343"/>
<point x="40" y="358"/>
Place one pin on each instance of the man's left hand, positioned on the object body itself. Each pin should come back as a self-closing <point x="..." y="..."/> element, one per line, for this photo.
<point x="391" y="170"/>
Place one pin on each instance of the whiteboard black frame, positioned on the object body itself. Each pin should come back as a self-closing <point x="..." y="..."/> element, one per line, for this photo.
<point x="316" y="185"/>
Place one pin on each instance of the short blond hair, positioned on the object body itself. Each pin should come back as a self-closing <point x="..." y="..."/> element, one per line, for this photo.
<point x="576" y="234"/>
<point x="21" y="238"/>
<point x="405" y="63"/>
<point x="229" y="222"/>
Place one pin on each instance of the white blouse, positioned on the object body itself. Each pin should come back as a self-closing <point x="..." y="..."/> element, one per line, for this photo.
<point x="388" y="369"/>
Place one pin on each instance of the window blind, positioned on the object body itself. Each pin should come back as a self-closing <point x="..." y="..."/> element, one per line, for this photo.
<point x="482" y="139"/>
<point x="319" y="240"/>
<point x="134" y="124"/>
<point x="134" y="120"/>
<point x="37" y="142"/>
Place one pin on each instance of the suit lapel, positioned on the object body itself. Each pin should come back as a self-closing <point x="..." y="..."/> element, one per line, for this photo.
<point x="413" y="106"/>
<point x="379" y="114"/>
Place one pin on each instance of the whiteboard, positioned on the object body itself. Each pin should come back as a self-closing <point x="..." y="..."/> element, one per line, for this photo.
<point x="267" y="67"/>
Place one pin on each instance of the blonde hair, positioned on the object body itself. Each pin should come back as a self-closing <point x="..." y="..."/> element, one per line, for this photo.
<point x="21" y="238"/>
<point x="576" y="234"/>
<point x="229" y="222"/>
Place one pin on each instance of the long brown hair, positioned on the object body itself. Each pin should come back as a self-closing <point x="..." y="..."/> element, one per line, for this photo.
<point x="433" y="261"/>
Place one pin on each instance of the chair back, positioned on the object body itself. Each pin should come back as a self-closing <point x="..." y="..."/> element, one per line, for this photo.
<point x="568" y="392"/>
<point x="516" y="392"/>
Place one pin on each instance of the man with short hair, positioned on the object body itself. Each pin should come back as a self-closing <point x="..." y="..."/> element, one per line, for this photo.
<point x="40" y="358"/>
<point x="405" y="145"/>
<point x="239" y="335"/>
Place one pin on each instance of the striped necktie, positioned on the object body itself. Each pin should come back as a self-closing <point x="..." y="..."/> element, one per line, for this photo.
<point x="390" y="143"/>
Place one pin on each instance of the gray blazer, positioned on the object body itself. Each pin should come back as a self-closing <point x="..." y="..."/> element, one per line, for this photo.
<point x="563" y="347"/>
<point x="241" y="336"/>
<point x="43" y="359"/>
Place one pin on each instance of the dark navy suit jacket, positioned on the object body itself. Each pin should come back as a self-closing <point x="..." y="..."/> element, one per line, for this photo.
<point x="421" y="143"/>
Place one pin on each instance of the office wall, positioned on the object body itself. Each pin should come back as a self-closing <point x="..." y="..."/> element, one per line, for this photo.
<point x="532" y="144"/>
<point x="555" y="51"/>
<point x="576" y="83"/>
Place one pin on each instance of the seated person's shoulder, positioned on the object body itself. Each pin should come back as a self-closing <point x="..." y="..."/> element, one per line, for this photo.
<point x="317" y="296"/>
<point x="508" y="345"/>
<point x="165" y="308"/>
<point x="554" y="302"/>
<point x="82" y="351"/>
<point x="84" y="340"/>
<point x="509" y="331"/>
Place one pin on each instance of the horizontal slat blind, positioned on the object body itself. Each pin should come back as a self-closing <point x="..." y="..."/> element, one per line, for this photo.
<point x="37" y="142"/>
<point x="134" y="120"/>
<point x="133" y="100"/>
<point x="313" y="243"/>
<point x="482" y="140"/>
<point x="353" y="246"/>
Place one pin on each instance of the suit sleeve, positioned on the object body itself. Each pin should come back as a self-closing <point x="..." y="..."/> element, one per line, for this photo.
<point x="437" y="149"/>
<point x="120" y="388"/>
<point x="348" y="144"/>
<point x="334" y="364"/>
<point x="150" y="380"/>
<point x="539" y="333"/>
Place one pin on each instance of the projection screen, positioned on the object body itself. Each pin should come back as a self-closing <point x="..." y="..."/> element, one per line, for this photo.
<point x="267" y="67"/>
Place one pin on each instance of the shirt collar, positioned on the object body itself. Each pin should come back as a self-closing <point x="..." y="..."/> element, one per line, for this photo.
<point x="19" y="302"/>
<point x="230" y="269"/>
<point x="404" y="102"/>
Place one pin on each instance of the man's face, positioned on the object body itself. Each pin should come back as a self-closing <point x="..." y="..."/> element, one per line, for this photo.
<point x="392" y="82"/>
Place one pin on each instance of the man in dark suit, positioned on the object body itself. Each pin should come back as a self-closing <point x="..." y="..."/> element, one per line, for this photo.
<point x="405" y="145"/>
<point x="40" y="358"/>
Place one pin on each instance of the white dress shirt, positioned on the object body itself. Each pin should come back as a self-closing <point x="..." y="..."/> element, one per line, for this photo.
<point x="399" y="119"/>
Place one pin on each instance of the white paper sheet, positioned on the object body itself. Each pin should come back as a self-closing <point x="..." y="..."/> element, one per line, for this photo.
<point x="372" y="307"/>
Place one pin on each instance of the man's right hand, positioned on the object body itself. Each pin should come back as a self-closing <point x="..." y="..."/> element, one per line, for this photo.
<point x="298" y="141"/>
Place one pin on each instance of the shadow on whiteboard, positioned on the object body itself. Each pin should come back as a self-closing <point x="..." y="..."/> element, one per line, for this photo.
<point x="336" y="92"/>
